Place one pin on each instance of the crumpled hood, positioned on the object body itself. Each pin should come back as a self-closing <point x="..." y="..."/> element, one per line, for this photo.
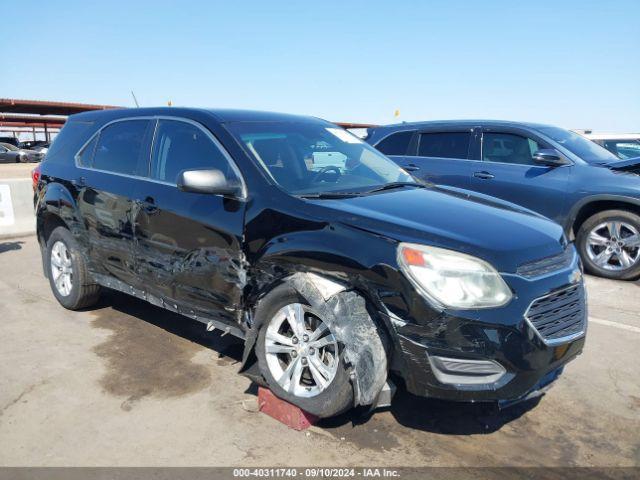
<point x="498" y="232"/>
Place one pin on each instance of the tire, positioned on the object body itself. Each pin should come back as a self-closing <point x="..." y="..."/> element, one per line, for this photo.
<point x="78" y="291"/>
<point x="597" y="235"/>
<point x="334" y="398"/>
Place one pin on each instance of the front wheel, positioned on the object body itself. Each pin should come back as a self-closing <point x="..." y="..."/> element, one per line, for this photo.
<point x="609" y="244"/>
<point x="299" y="355"/>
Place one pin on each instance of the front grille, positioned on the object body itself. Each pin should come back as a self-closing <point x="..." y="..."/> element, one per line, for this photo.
<point x="559" y="316"/>
<point x="547" y="265"/>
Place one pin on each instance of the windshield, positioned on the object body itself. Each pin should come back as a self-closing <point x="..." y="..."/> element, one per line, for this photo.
<point x="309" y="158"/>
<point x="582" y="147"/>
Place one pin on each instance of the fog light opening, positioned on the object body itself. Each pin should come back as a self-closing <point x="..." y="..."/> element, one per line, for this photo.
<point x="461" y="371"/>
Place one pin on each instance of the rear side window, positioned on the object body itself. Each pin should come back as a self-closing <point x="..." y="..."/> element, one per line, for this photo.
<point x="395" y="144"/>
<point x="444" y="145"/>
<point x="182" y="146"/>
<point x="122" y="147"/>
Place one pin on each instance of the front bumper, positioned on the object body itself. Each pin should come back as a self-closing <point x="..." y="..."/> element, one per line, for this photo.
<point x="524" y="370"/>
<point x="494" y="355"/>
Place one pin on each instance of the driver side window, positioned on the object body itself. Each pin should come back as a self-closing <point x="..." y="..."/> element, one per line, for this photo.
<point x="182" y="146"/>
<point x="508" y="148"/>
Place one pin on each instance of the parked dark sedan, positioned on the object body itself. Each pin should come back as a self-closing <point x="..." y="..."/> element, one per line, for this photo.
<point x="555" y="172"/>
<point x="333" y="264"/>
<point x="10" y="140"/>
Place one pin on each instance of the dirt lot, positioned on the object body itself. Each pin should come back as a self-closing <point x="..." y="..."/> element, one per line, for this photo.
<point x="129" y="384"/>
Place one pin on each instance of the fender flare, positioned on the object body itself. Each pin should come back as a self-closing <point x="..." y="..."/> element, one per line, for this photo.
<point x="578" y="206"/>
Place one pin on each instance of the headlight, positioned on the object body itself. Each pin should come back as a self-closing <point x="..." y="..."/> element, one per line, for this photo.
<point x="452" y="279"/>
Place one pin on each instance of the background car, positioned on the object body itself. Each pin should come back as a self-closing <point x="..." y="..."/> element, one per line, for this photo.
<point x="11" y="154"/>
<point x="622" y="145"/>
<point x="10" y="140"/>
<point x="35" y="145"/>
<point x="593" y="194"/>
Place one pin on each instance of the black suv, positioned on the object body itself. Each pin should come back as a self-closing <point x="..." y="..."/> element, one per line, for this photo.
<point x="330" y="261"/>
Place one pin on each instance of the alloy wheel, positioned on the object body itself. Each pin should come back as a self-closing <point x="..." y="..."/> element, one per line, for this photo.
<point x="614" y="245"/>
<point x="61" y="268"/>
<point x="301" y="351"/>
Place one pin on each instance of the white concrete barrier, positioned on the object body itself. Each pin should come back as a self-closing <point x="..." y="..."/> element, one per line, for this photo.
<point x="16" y="207"/>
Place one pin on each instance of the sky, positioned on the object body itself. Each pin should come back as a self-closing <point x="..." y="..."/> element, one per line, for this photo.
<point x="575" y="64"/>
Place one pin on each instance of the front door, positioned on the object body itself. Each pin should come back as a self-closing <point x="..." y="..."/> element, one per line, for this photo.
<point x="507" y="171"/>
<point x="189" y="245"/>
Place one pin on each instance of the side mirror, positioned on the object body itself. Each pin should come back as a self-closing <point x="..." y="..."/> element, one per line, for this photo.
<point x="550" y="157"/>
<point x="212" y="182"/>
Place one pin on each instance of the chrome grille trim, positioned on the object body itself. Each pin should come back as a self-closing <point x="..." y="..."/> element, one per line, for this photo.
<point x="560" y="316"/>
<point x="547" y="265"/>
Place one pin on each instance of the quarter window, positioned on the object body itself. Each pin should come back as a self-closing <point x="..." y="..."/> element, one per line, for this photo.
<point x="182" y="146"/>
<point x="85" y="157"/>
<point x="444" y="145"/>
<point x="508" y="148"/>
<point x="121" y="148"/>
<point x="395" y="144"/>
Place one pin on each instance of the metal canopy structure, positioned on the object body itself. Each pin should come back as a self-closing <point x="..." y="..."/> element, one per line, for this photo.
<point x="37" y="116"/>
<point x="39" y="107"/>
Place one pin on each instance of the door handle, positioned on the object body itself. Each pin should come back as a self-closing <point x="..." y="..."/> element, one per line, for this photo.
<point x="149" y="206"/>
<point x="484" y="175"/>
<point x="79" y="182"/>
<point x="411" y="167"/>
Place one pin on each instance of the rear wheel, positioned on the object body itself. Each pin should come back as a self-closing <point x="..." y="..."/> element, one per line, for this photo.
<point x="67" y="272"/>
<point x="299" y="356"/>
<point x="609" y="244"/>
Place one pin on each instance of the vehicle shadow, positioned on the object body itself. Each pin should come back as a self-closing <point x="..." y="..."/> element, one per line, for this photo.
<point x="228" y="347"/>
<point x="8" y="246"/>
<point x="451" y="418"/>
<point x="439" y="416"/>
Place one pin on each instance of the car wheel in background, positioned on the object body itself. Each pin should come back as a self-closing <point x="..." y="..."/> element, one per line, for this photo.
<point x="67" y="272"/>
<point x="609" y="244"/>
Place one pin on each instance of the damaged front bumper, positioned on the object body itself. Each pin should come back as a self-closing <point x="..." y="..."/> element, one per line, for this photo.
<point x="503" y="375"/>
<point x="493" y="355"/>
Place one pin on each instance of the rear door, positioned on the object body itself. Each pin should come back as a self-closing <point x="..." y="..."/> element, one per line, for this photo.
<point x="442" y="156"/>
<point x="108" y="167"/>
<point x="507" y="171"/>
<point x="189" y="245"/>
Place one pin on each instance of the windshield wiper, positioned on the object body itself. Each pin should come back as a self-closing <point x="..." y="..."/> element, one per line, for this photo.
<point x="388" y="186"/>
<point x="329" y="195"/>
<point x="392" y="185"/>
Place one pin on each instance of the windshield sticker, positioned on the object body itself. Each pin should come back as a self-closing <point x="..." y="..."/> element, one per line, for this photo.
<point x="344" y="135"/>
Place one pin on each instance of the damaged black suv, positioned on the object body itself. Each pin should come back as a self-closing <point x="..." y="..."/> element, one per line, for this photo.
<point x="332" y="263"/>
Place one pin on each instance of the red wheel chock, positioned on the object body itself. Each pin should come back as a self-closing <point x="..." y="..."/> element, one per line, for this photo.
<point x="292" y="416"/>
